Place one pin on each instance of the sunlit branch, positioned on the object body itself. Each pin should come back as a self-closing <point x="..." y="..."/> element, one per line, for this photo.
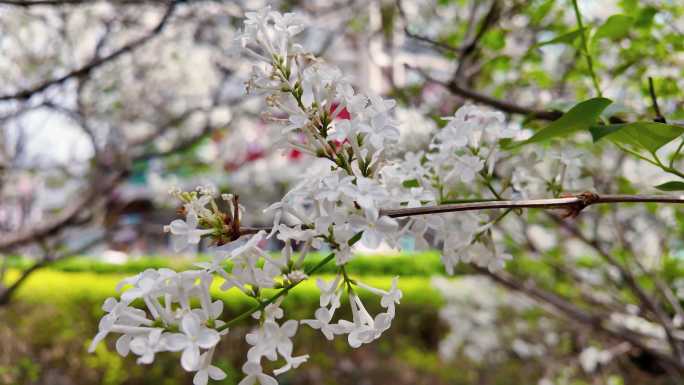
<point x="574" y="204"/>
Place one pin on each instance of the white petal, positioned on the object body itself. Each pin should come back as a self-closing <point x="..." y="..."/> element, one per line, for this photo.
<point x="96" y="340"/>
<point x="190" y="358"/>
<point x="179" y="242"/>
<point x="201" y="378"/>
<point x="176" y="342"/>
<point x="207" y="338"/>
<point x="190" y="324"/>
<point x="251" y="368"/>
<point x="216" y="373"/>
<point x="139" y="345"/>
<point x="289" y="328"/>
<point x="123" y="345"/>
<point x="178" y="227"/>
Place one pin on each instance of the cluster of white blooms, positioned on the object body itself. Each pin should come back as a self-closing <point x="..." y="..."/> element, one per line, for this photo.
<point x="473" y="312"/>
<point x="461" y="159"/>
<point x="320" y="114"/>
<point x="554" y="170"/>
<point x="170" y="323"/>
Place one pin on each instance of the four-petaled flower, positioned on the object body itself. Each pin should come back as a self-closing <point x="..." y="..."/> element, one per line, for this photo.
<point x="185" y="232"/>
<point x="194" y="337"/>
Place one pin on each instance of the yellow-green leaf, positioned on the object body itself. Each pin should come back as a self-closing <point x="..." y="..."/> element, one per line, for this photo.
<point x="615" y="27"/>
<point x="650" y="136"/>
<point x="579" y="118"/>
<point x="566" y="38"/>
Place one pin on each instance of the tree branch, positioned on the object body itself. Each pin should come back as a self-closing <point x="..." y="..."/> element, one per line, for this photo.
<point x="457" y="89"/>
<point x="31" y="3"/>
<point x="654" y="99"/>
<point x="6" y="294"/>
<point x="575" y="313"/>
<point x="94" y="63"/>
<point x="573" y="204"/>
<point x="652" y="305"/>
<point x="469" y="49"/>
<point x="504" y="106"/>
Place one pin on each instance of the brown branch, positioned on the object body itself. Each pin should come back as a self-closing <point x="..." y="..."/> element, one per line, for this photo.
<point x="572" y="204"/>
<point x="424" y="39"/>
<point x="501" y="105"/>
<point x="652" y="305"/>
<point x="457" y="89"/>
<point x="654" y="99"/>
<point x="93" y="64"/>
<point x="32" y="3"/>
<point x="575" y="313"/>
<point x="6" y="294"/>
<point x="470" y="48"/>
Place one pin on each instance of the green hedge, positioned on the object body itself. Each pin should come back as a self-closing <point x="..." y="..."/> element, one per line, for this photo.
<point x="64" y="287"/>
<point x="416" y="264"/>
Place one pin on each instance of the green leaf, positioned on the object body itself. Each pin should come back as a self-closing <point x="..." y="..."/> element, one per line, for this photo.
<point x="410" y="183"/>
<point x="579" y="118"/>
<point x="355" y="238"/>
<point x="645" y="17"/>
<point x="671" y="186"/>
<point x="650" y="136"/>
<point x="566" y="38"/>
<point x="615" y="27"/>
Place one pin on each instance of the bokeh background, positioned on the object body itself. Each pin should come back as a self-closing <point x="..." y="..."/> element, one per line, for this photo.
<point x="105" y="105"/>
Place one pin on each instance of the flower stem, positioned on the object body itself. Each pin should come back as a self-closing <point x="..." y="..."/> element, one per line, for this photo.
<point x="284" y="290"/>
<point x="585" y="48"/>
<point x="273" y="298"/>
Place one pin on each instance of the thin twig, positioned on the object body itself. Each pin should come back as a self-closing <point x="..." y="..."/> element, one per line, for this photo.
<point x="575" y="313"/>
<point x="651" y="304"/>
<point x="48" y="258"/>
<point x="585" y="48"/>
<point x="58" y="3"/>
<point x="577" y="202"/>
<point x="573" y="205"/>
<point x="66" y="217"/>
<point x="654" y="99"/>
<point x="469" y="49"/>
<point x="424" y="39"/>
<point x="456" y="88"/>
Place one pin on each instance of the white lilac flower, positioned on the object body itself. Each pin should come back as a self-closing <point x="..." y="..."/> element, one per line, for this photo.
<point x="194" y="336"/>
<point x="255" y="375"/>
<point x="206" y="370"/>
<point x="197" y="205"/>
<point x="329" y="292"/>
<point x="271" y="340"/>
<point x="343" y="235"/>
<point x="104" y="328"/>
<point x="184" y="233"/>
<point x="146" y="346"/>
<point x="392" y="296"/>
<point x="376" y="228"/>
<point x="291" y="363"/>
<point x="323" y="316"/>
<point x="271" y="312"/>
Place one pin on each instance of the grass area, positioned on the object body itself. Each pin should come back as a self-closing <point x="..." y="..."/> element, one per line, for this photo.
<point x="418" y="263"/>
<point x="55" y="286"/>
